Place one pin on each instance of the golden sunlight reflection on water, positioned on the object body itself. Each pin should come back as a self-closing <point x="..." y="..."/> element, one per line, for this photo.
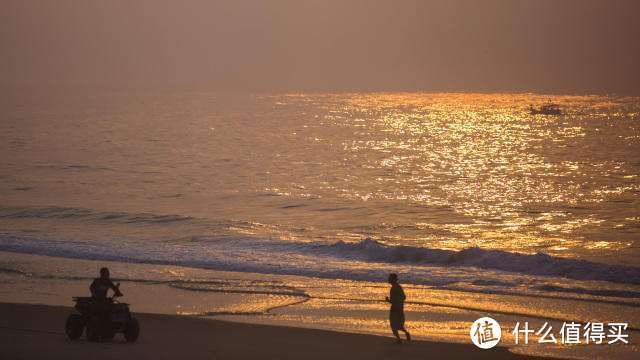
<point x="436" y="170"/>
<point x="491" y="161"/>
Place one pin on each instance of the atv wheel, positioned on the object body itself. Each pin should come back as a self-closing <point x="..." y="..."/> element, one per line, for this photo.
<point x="74" y="326"/>
<point x="132" y="330"/>
<point x="93" y="329"/>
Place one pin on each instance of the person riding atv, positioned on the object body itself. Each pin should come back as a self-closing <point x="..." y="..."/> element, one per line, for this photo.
<point x="100" y="286"/>
<point x="102" y="316"/>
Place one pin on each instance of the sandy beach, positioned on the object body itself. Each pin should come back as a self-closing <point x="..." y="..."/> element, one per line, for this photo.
<point x="36" y="332"/>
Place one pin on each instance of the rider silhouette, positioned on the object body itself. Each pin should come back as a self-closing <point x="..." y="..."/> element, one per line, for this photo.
<point x="100" y="286"/>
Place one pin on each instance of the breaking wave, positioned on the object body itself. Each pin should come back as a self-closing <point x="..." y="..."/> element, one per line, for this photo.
<point x="539" y="264"/>
<point x="345" y="260"/>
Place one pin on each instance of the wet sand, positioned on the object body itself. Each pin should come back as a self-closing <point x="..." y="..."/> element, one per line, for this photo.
<point x="36" y="332"/>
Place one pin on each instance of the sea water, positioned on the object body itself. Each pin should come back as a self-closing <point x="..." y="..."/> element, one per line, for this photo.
<point x="478" y="205"/>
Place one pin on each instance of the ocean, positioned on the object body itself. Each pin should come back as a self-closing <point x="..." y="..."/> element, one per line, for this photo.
<point x="459" y="193"/>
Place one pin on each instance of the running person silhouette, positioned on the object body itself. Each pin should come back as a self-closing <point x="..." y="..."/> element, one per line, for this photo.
<point x="396" y="313"/>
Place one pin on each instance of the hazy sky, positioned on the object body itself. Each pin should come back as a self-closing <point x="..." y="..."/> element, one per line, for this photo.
<point x="581" y="46"/>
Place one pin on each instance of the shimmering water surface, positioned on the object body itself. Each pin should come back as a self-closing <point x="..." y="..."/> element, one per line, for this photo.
<point x="464" y="193"/>
<point x="446" y="171"/>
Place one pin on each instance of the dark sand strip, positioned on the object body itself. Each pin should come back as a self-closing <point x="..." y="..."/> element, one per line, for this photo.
<point x="37" y="332"/>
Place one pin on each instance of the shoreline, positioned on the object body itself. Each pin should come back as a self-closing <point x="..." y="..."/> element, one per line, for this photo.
<point x="440" y="316"/>
<point x="37" y="332"/>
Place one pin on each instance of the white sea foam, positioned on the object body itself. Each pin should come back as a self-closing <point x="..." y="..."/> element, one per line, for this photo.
<point x="364" y="260"/>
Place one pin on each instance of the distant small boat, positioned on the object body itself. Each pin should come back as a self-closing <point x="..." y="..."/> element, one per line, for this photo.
<point x="547" y="109"/>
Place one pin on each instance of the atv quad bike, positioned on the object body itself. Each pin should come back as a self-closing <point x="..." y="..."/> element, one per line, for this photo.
<point x="101" y="319"/>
